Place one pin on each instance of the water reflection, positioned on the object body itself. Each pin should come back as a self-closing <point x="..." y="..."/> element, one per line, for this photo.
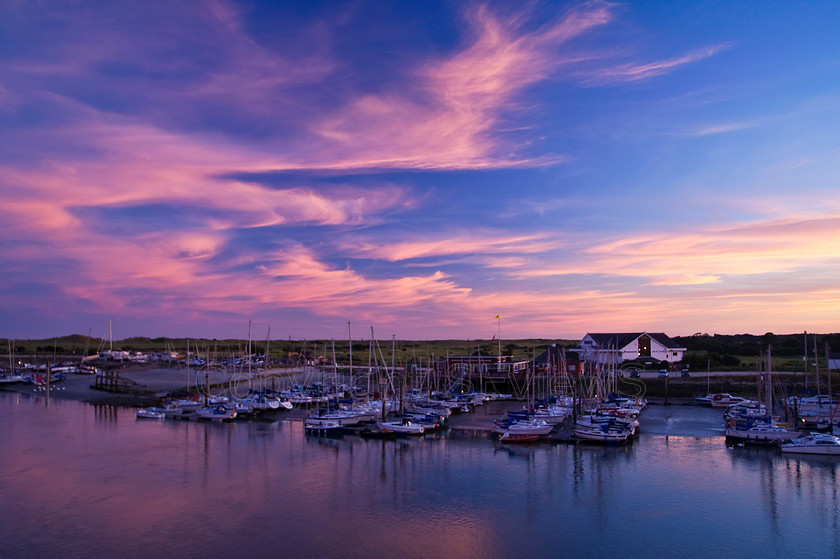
<point x="106" y="413"/>
<point x="71" y="472"/>
<point x="787" y="480"/>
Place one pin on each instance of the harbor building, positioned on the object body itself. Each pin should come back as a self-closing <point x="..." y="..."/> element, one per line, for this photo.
<point x="615" y="348"/>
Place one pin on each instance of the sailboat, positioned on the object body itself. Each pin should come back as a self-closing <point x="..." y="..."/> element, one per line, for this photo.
<point x="760" y="430"/>
<point x="707" y="399"/>
<point x="604" y="430"/>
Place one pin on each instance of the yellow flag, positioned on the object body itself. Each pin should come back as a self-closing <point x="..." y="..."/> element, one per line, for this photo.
<point x="497" y="316"/>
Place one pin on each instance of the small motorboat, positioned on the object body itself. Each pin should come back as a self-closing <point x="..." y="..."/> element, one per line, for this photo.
<point x="216" y="413"/>
<point x="758" y="431"/>
<point x="606" y="432"/>
<point x="724" y="400"/>
<point x="814" y="443"/>
<point x="150" y="413"/>
<point x="509" y="437"/>
<point x="522" y="426"/>
<point x="404" y="427"/>
<point x="322" y="426"/>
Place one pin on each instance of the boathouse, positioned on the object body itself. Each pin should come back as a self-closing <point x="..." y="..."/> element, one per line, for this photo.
<point x="486" y="365"/>
<point x="559" y="360"/>
<point x="483" y="372"/>
<point x="615" y="348"/>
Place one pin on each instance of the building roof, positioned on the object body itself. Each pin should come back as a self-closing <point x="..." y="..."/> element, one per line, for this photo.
<point x="620" y="340"/>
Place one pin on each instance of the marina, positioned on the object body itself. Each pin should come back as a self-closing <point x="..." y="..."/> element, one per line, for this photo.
<point x="71" y="470"/>
<point x="198" y="459"/>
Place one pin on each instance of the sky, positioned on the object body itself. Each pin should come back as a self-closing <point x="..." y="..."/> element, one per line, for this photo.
<point x="316" y="169"/>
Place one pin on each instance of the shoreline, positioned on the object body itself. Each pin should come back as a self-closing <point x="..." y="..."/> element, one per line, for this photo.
<point x="151" y="385"/>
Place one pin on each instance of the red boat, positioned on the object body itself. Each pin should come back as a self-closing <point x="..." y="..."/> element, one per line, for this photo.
<point x="518" y="437"/>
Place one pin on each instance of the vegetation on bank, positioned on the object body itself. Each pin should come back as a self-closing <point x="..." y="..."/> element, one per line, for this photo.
<point x="716" y="352"/>
<point x="744" y="351"/>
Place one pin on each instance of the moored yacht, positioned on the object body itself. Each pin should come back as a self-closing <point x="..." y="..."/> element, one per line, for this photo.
<point x="322" y="426"/>
<point x="814" y="443"/>
<point x="758" y="431"/>
<point x="218" y="412"/>
<point x="150" y="413"/>
<point x="724" y="400"/>
<point x="522" y="426"/>
<point x="403" y="427"/>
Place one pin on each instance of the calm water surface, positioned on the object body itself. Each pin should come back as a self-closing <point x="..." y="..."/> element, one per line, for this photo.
<point x="84" y="481"/>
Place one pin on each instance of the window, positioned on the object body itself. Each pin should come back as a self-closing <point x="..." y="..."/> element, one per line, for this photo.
<point x="644" y="345"/>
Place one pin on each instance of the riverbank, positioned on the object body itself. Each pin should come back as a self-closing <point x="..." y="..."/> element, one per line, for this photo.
<point x="147" y="385"/>
<point x="143" y="386"/>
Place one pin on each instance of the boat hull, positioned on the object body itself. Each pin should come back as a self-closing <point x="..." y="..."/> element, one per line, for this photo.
<point x="401" y="428"/>
<point x="518" y="438"/>
<point x="815" y="451"/>
<point x="759" y="436"/>
<point x="597" y="435"/>
<point x="818" y="444"/>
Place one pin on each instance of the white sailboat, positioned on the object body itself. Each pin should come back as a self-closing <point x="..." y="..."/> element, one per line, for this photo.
<point x="401" y="427"/>
<point x="760" y="430"/>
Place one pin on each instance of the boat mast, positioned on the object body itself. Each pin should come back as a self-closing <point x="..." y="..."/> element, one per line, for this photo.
<point x="768" y="385"/>
<point x="394" y="369"/>
<point x="267" y="360"/>
<point x="817" y="369"/>
<point x="350" y="346"/>
<point x="381" y="382"/>
<point x="828" y="372"/>
<point x="499" y="337"/>
<point x="480" y="371"/>
<point x="335" y="367"/>
<point x="805" y="335"/>
<point x="708" y="375"/>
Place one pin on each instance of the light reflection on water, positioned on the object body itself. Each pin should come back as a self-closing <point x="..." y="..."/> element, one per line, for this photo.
<point x="84" y="481"/>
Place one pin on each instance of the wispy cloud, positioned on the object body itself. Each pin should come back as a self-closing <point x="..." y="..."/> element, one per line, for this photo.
<point x="703" y="256"/>
<point x="686" y="279"/>
<point x="463" y="98"/>
<point x="475" y="242"/>
<point x="633" y="72"/>
<point x="713" y="129"/>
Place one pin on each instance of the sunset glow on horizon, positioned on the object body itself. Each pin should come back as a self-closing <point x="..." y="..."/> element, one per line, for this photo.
<point x="183" y="169"/>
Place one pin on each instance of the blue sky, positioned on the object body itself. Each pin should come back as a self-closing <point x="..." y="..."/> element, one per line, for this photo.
<point x="184" y="168"/>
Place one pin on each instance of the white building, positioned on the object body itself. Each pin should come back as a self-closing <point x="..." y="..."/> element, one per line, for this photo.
<point x="613" y="349"/>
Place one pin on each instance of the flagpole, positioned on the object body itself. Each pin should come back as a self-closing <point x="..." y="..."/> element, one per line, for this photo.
<point x="499" y="336"/>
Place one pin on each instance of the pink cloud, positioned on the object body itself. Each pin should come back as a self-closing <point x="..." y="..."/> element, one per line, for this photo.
<point x="463" y="96"/>
<point x="779" y="246"/>
<point x="459" y="243"/>
<point x="687" y="279"/>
